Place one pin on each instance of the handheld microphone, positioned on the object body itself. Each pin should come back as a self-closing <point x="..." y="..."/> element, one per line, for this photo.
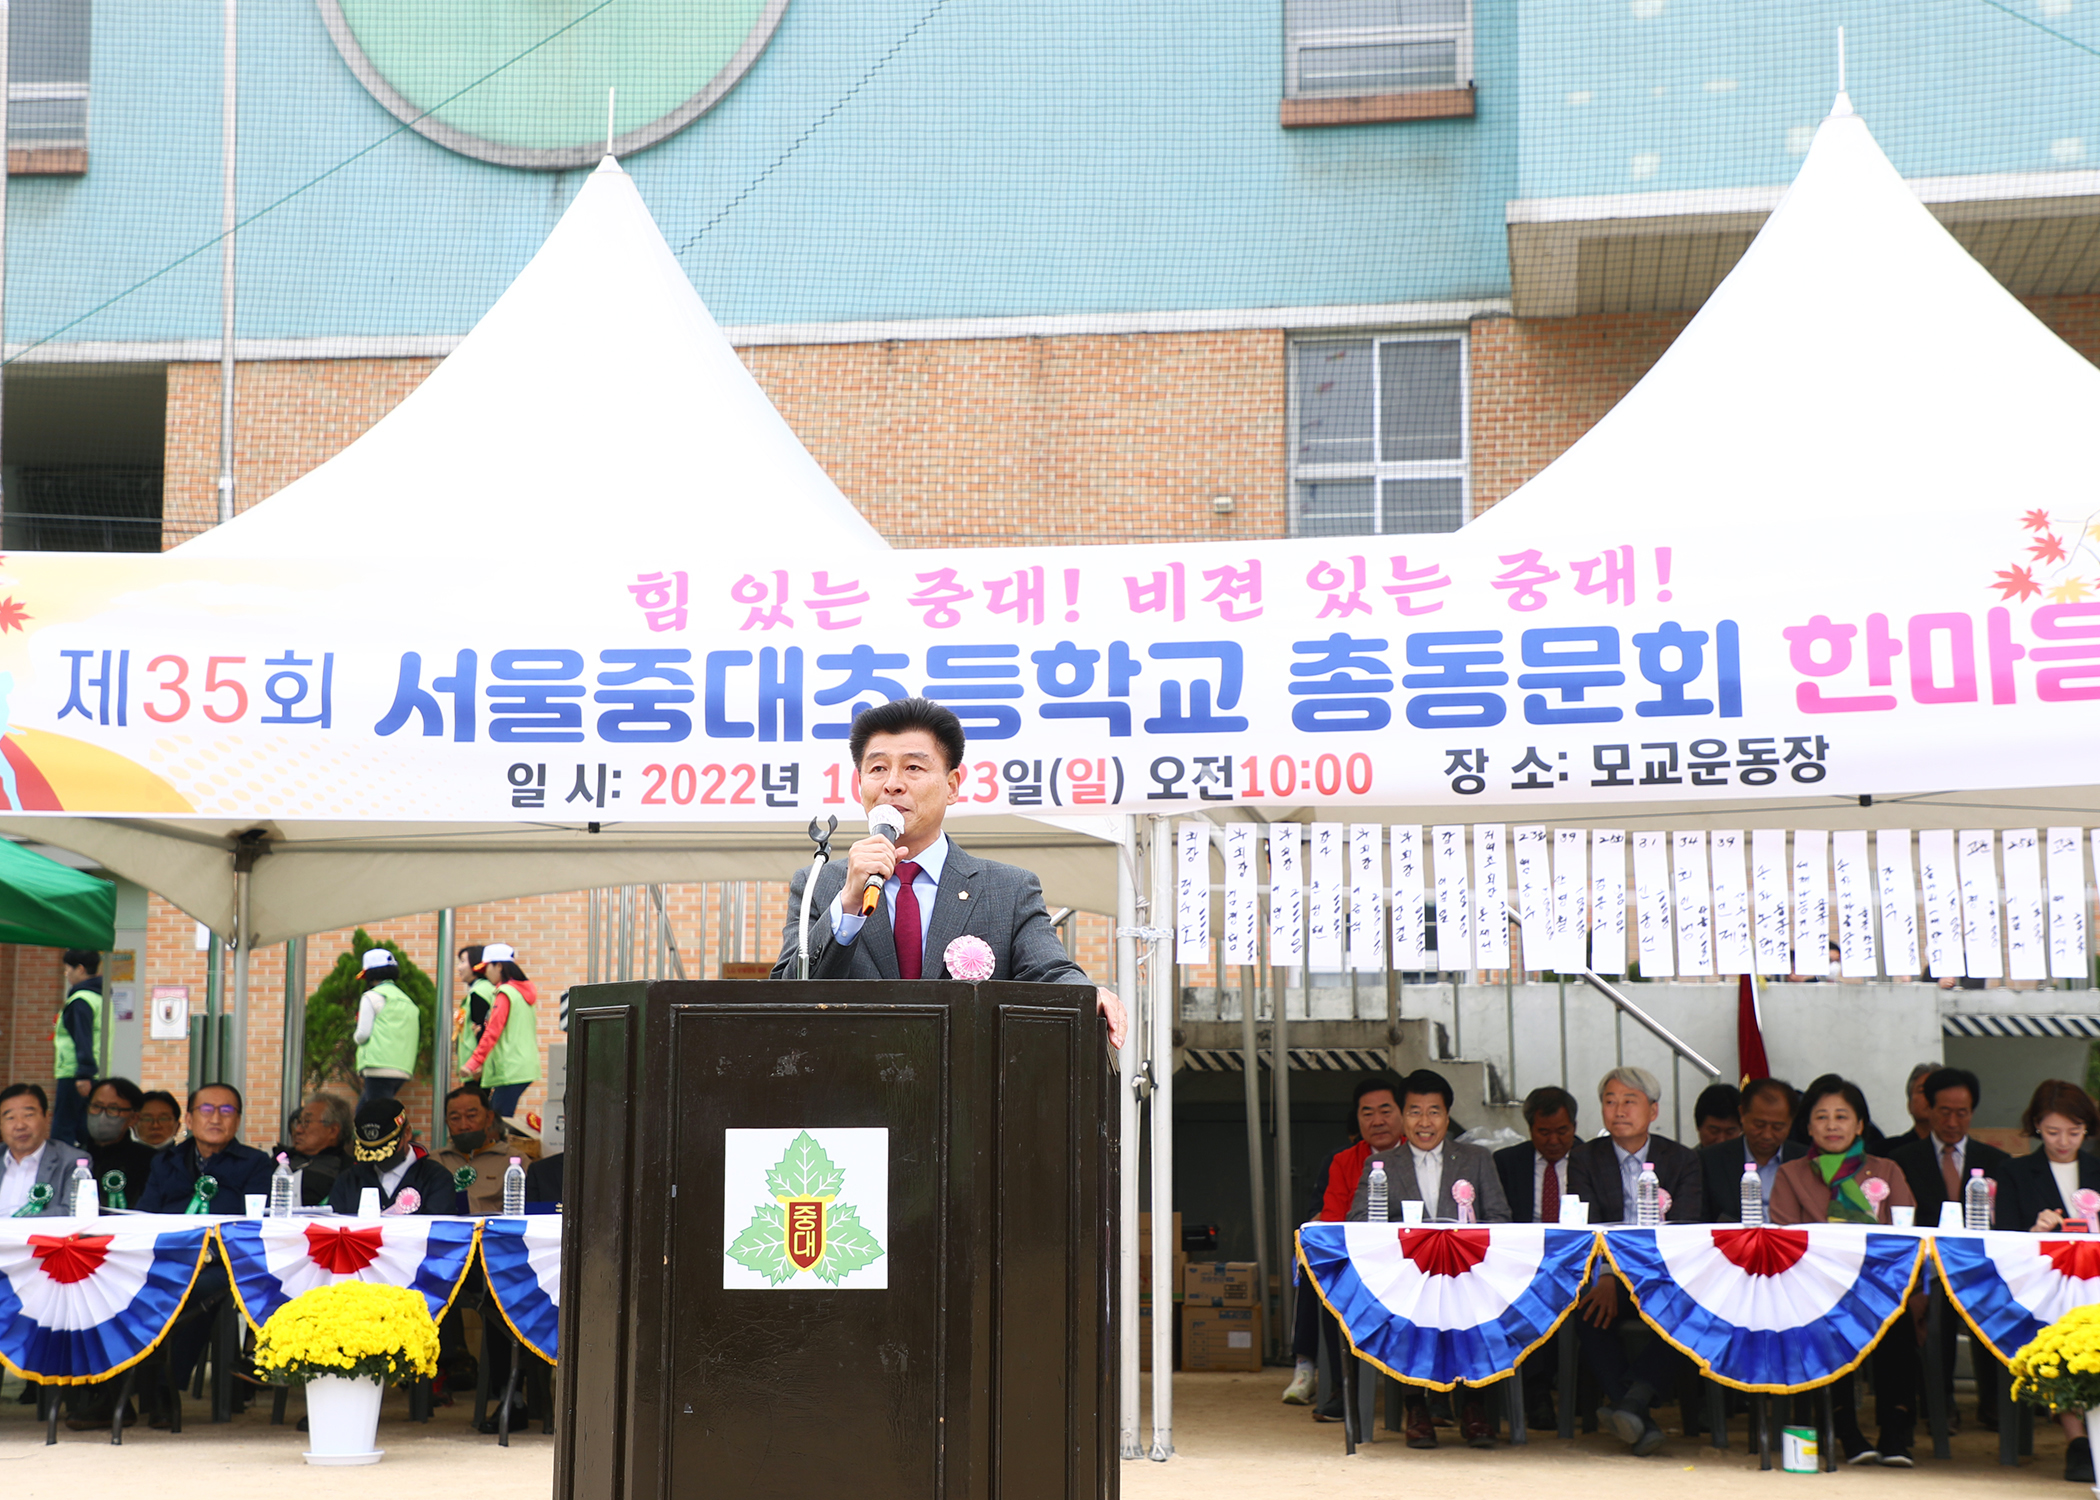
<point x="888" y="822"/>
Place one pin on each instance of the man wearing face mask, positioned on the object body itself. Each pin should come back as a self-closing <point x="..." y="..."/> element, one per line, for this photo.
<point x="481" y="1144"/>
<point x="110" y="1148"/>
<point x="387" y="1160"/>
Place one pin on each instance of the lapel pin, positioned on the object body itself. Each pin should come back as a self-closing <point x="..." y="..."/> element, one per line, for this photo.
<point x="962" y="895"/>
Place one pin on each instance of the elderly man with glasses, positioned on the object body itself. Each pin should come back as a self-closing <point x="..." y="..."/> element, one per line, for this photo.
<point x="213" y="1150"/>
<point x="320" y="1145"/>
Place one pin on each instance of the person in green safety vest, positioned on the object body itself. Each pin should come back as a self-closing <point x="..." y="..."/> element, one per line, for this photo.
<point x="74" y="1043"/>
<point x="506" y="1061"/>
<point x="388" y="1029"/>
<point x="473" y="1012"/>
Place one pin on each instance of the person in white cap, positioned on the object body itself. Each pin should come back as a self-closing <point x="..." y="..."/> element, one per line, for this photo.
<point x="506" y="1061"/>
<point x="388" y="1029"/>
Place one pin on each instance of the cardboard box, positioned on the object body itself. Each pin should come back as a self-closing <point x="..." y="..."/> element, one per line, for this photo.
<point x="1180" y="1269"/>
<point x="1220" y="1338"/>
<point x="1220" y="1283"/>
<point x="1145" y="1233"/>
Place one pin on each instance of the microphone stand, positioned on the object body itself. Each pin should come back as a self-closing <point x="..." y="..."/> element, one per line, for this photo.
<point x="821" y="837"/>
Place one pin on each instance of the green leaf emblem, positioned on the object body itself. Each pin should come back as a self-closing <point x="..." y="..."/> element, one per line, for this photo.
<point x="805" y="1171"/>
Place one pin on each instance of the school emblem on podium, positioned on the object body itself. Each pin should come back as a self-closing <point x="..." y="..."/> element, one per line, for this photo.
<point x="827" y="1214"/>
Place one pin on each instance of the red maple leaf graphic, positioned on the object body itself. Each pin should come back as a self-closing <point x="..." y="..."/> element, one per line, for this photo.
<point x="2036" y="520"/>
<point x="2048" y="548"/>
<point x="12" y="615"/>
<point x="2016" y="583"/>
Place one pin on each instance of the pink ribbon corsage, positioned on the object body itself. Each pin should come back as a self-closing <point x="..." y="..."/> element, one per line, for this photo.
<point x="969" y="959"/>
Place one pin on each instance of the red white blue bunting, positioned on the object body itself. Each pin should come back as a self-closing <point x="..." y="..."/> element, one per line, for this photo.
<point x="2010" y="1286"/>
<point x="1439" y="1305"/>
<point x="274" y="1260"/>
<point x="1768" y="1308"/>
<point x="523" y="1261"/>
<point x="82" y="1300"/>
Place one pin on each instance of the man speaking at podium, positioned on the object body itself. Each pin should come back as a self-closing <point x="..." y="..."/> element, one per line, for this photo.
<point x="890" y="908"/>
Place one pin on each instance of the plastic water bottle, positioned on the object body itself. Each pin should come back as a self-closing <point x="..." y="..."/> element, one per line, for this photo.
<point x="85" y="1204"/>
<point x="1375" y="1212"/>
<point x="1753" y="1195"/>
<point x="284" y="1188"/>
<point x="514" y="1187"/>
<point x="1647" y="1202"/>
<point x="1976" y="1201"/>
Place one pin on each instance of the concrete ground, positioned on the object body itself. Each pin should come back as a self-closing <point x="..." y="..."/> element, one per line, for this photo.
<point x="1234" y="1440"/>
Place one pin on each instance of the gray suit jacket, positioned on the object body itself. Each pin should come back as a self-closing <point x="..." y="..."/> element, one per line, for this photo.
<point x="1476" y="1164"/>
<point x="1002" y="904"/>
<point x="55" y="1171"/>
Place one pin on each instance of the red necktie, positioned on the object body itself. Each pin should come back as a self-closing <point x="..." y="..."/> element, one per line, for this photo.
<point x="1549" y="1196"/>
<point x="905" y="925"/>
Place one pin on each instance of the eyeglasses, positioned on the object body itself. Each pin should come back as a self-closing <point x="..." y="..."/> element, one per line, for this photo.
<point x="218" y="1111"/>
<point x="156" y="1119"/>
<point x="109" y="1109"/>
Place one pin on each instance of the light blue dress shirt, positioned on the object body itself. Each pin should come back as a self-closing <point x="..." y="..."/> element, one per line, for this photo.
<point x="846" y="925"/>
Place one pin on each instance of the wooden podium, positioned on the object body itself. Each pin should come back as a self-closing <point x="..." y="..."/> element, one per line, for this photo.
<point x="838" y="1236"/>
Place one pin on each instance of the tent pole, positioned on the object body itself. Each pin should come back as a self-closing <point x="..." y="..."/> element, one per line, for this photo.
<point x="293" y="1084"/>
<point x="1160" y="975"/>
<point x="1258" y="1198"/>
<point x="237" y="1047"/>
<point x="441" y="1036"/>
<point x="1128" y="1154"/>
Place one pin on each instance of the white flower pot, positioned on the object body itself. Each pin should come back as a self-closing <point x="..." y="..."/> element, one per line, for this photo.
<point x="342" y="1418"/>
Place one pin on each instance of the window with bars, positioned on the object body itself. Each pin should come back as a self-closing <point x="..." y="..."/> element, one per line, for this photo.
<point x="47" y="85"/>
<point x="1342" y="48"/>
<point x="1378" y="435"/>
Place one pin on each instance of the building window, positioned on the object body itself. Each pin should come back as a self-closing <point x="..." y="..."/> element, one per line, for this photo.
<point x="1377" y="46"/>
<point x="47" y="89"/>
<point x="1379" y="435"/>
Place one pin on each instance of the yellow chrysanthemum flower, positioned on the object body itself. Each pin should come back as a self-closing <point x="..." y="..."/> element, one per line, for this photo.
<point x="351" y="1328"/>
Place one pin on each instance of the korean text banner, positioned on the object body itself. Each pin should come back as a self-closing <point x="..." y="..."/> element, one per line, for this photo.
<point x="1460" y="670"/>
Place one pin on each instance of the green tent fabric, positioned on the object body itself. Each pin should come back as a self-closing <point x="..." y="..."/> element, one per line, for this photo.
<point x="44" y="903"/>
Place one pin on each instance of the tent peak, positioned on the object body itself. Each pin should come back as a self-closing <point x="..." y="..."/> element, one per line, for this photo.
<point x="612" y="164"/>
<point x="1840" y="108"/>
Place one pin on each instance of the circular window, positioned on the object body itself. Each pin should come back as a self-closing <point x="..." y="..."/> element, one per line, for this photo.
<point x="524" y="85"/>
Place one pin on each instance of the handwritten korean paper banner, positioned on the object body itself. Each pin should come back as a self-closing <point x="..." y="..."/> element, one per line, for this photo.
<point x="1459" y="671"/>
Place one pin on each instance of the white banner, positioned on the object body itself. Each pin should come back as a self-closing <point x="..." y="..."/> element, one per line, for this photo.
<point x="1608" y="882"/>
<point x="2026" y="940"/>
<point x="2067" y="951"/>
<point x="1534" y="895"/>
<point x="1899" y="902"/>
<point x="1192" y="894"/>
<point x="1491" y="929"/>
<point x="1330" y="891"/>
<point x="1571" y="899"/>
<point x="1695" y="919"/>
<point x="1367" y="897"/>
<point x="1273" y="673"/>
<point x="1811" y="901"/>
<point x="1242" y="900"/>
<point x="1943" y="923"/>
<point x="1770" y="881"/>
<point x="1410" y="937"/>
<point x="1286" y="897"/>
<point x="1733" y="951"/>
<point x="1454" y="896"/>
<point x="1855" y="903"/>
<point x="1651" y="896"/>
<point x="1979" y="903"/>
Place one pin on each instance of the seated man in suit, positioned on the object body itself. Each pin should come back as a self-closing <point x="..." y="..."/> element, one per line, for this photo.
<point x="1535" y="1172"/>
<point x="1937" y="1166"/>
<point x="1767" y="1106"/>
<point x="1717" y="1115"/>
<point x="1425" y="1166"/>
<point x="1534" y="1180"/>
<point x="910" y="757"/>
<point x="1604" y="1174"/>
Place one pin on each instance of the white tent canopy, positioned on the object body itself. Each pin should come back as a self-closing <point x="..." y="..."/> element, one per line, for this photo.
<point x="1858" y="383"/>
<point x="597" y="406"/>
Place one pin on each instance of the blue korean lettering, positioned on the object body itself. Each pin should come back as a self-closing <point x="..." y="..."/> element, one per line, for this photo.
<point x="639" y="715"/>
<point x="1340" y="701"/>
<point x="291" y="686"/>
<point x="719" y="725"/>
<point x="1199" y="717"/>
<point x="1067" y="671"/>
<point x="1581" y="657"/>
<point x="863" y="666"/>
<point x="410" y="698"/>
<point x="1463" y="703"/>
<point x="964" y="676"/>
<point x="536" y="697"/>
<point x="106" y="686"/>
